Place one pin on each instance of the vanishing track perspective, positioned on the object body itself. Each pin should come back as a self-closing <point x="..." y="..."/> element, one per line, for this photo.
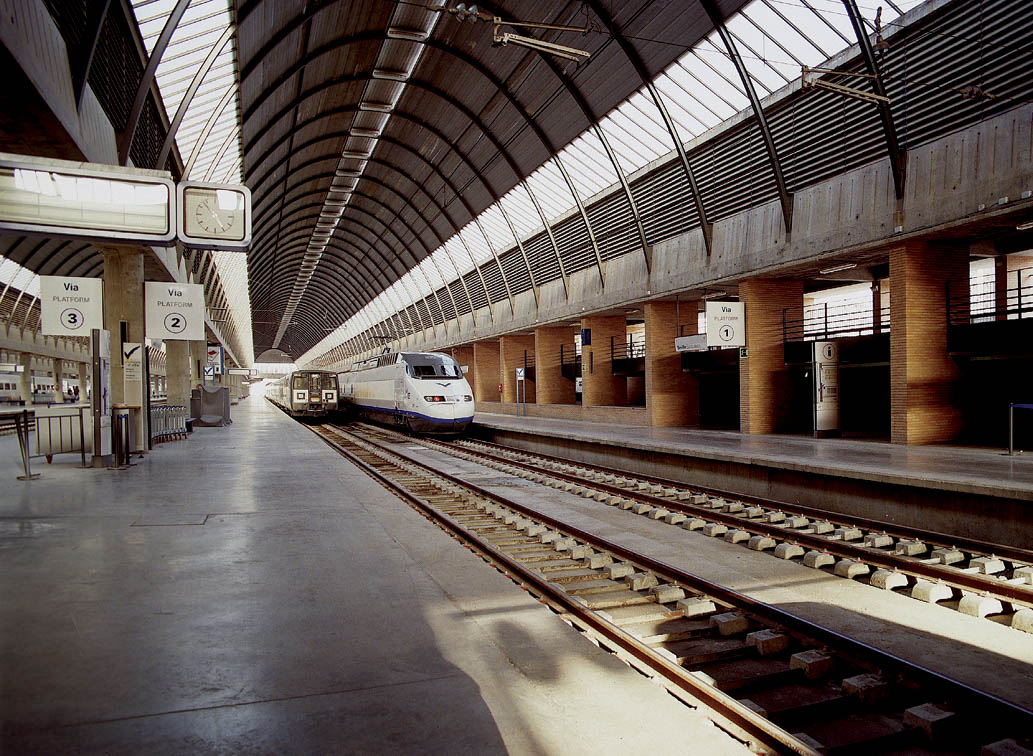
<point x="777" y="681"/>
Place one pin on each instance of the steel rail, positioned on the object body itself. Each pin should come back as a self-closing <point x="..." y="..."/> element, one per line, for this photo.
<point x="973" y="582"/>
<point x="857" y="651"/>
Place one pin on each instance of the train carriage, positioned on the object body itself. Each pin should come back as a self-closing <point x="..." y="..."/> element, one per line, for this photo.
<point x="305" y="393"/>
<point x="425" y="392"/>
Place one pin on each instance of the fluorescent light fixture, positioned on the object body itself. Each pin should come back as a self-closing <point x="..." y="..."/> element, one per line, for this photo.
<point x="383" y="73"/>
<point x="346" y="173"/>
<point x="376" y="107"/>
<point x="364" y="133"/>
<point x="411" y="35"/>
<point x="1025" y="226"/>
<point x="837" y="268"/>
<point x="715" y="294"/>
<point x="354" y="155"/>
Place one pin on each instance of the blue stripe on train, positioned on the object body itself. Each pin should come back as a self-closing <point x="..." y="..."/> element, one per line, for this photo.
<point x="410" y="413"/>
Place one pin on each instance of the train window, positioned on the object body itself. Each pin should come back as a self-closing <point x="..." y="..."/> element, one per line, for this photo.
<point x="329" y="381"/>
<point x="300" y="381"/>
<point x="432" y="366"/>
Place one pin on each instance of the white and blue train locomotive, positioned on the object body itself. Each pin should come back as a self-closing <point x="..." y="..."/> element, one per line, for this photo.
<point x="425" y="392"/>
<point x="305" y="393"/>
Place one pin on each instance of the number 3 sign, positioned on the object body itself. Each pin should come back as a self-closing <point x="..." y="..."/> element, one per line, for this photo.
<point x="174" y="311"/>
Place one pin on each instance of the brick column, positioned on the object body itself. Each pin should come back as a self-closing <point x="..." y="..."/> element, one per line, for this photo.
<point x="511" y="356"/>
<point x="923" y="377"/>
<point x="599" y="386"/>
<point x="672" y="397"/>
<point x="464" y="356"/>
<point x="550" y="385"/>
<point x="764" y="389"/>
<point x="486" y="371"/>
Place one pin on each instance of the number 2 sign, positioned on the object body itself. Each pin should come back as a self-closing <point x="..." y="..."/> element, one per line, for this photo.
<point x="174" y="311"/>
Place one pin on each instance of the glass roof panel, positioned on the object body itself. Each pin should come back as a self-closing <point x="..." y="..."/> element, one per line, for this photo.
<point x="476" y="242"/>
<point x="495" y="226"/>
<point x="521" y="211"/>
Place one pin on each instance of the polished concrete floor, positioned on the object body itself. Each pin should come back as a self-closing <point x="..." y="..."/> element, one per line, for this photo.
<point x="246" y="591"/>
<point x="950" y="468"/>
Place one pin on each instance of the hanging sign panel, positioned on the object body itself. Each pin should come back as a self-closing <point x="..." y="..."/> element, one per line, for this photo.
<point x="726" y="324"/>
<point x="70" y="306"/>
<point x="215" y="359"/>
<point x="174" y="312"/>
<point x="86" y="201"/>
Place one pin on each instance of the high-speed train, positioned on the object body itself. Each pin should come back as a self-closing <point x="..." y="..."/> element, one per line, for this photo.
<point x="425" y="392"/>
<point x="305" y="393"/>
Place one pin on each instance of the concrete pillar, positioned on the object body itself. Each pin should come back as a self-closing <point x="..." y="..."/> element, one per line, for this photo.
<point x="464" y="356"/>
<point x="599" y="386"/>
<point x="550" y="385"/>
<point x="123" y="303"/>
<point x="672" y="397"/>
<point x="198" y="359"/>
<point x="486" y="371"/>
<point x="764" y="381"/>
<point x="923" y="377"/>
<point x="25" y="378"/>
<point x="511" y="356"/>
<point x="84" y="380"/>
<point x="177" y="373"/>
<point x="59" y="394"/>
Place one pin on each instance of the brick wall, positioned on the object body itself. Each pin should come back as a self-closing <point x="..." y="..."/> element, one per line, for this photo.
<point x="464" y="356"/>
<point x="764" y="381"/>
<point x="599" y="386"/>
<point x="511" y="354"/>
<point x="923" y="377"/>
<point x="486" y="371"/>
<point x="672" y="397"/>
<point x="550" y="385"/>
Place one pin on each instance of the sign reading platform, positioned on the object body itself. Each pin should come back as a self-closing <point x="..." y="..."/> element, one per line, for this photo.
<point x="726" y="324"/>
<point x="174" y="311"/>
<point x="71" y="306"/>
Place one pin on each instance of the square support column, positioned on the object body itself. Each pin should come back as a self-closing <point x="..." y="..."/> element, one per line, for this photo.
<point x="511" y="356"/>
<point x="923" y="377"/>
<point x="123" y="303"/>
<point x="59" y="371"/>
<point x="672" y="397"/>
<point x="486" y="371"/>
<point x="599" y="386"/>
<point x="764" y="381"/>
<point x="550" y="385"/>
<point x="464" y="356"/>
<point x="177" y="373"/>
<point x="25" y="378"/>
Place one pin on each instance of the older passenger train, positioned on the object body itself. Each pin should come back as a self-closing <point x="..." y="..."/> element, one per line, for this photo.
<point x="425" y="392"/>
<point x="305" y="393"/>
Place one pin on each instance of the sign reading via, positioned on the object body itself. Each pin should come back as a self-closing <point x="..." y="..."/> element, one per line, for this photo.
<point x="174" y="311"/>
<point x="71" y="306"/>
<point x="726" y="324"/>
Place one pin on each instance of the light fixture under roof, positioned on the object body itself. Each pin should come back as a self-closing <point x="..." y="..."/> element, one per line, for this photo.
<point x="384" y="73"/>
<point x="411" y="35"/>
<point x="364" y="133"/>
<point x="354" y="155"/>
<point x="837" y="268"/>
<point x="376" y="107"/>
<point x="715" y="294"/>
<point x="1025" y="226"/>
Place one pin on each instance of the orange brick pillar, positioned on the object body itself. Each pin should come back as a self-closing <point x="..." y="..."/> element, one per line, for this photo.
<point x="599" y="386"/>
<point x="511" y="356"/>
<point x="923" y="377"/>
<point x="486" y="371"/>
<point x="464" y="356"/>
<point x="550" y="385"/>
<point x="764" y="388"/>
<point x="672" y="397"/>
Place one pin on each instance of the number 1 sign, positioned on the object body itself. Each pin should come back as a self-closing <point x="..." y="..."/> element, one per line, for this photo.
<point x="174" y="311"/>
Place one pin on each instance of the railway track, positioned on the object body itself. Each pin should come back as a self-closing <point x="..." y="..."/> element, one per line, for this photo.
<point x="778" y="682"/>
<point x="990" y="581"/>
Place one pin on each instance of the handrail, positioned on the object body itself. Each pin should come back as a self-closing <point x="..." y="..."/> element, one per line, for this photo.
<point x="819" y="321"/>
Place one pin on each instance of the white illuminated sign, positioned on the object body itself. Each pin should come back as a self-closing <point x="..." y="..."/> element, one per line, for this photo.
<point x="70" y="306"/>
<point x="85" y="201"/>
<point x="726" y="324"/>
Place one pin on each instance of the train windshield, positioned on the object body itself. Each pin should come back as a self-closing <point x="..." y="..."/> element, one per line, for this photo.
<point x="315" y="381"/>
<point x="432" y="366"/>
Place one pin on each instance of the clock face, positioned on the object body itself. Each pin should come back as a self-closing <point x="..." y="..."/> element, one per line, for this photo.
<point x="214" y="213"/>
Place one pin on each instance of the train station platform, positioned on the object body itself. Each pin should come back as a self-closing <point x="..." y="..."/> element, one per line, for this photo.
<point x="247" y="590"/>
<point x="977" y="492"/>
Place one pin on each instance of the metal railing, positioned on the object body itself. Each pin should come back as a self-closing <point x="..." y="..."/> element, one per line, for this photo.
<point x="53" y="434"/>
<point x="629" y="349"/>
<point x="980" y="301"/>
<point x="818" y="322"/>
<point x="570" y="354"/>
<point x="168" y="422"/>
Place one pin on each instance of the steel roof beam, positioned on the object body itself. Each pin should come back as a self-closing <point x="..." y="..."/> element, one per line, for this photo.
<point x="784" y="197"/>
<point x="898" y="157"/>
